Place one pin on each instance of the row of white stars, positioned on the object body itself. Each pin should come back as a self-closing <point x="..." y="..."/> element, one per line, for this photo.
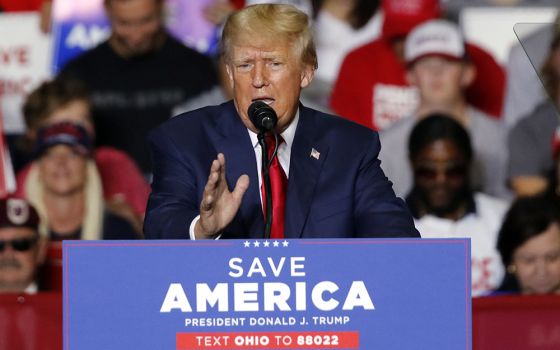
<point x="265" y="244"/>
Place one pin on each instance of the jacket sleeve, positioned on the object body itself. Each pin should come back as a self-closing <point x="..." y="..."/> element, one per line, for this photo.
<point x="173" y="202"/>
<point x="378" y="211"/>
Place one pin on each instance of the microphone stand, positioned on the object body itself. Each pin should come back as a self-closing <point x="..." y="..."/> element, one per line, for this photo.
<point x="265" y="164"/>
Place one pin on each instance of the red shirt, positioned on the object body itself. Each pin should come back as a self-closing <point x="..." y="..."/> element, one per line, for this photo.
<point x="372" y="90"/>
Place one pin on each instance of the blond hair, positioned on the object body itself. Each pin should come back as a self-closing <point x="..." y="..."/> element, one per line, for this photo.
<point x="270" y="23"/>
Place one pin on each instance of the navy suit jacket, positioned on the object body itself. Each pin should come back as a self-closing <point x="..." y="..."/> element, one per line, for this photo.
<point x="342" y="194"/>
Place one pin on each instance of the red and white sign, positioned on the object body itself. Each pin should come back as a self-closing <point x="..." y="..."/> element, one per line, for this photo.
<point x="24" y="63"/>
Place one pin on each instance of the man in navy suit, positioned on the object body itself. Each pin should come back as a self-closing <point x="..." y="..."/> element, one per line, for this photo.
<point x="336" y="187"/>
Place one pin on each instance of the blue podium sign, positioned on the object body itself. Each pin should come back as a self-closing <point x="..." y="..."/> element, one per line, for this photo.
<point x="293" y="294"/>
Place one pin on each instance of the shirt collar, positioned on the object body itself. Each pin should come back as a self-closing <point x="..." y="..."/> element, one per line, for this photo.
<point x="288" y="134"/>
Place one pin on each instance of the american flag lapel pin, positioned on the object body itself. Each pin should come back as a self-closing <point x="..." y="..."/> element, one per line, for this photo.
<point x="315" y="154"/>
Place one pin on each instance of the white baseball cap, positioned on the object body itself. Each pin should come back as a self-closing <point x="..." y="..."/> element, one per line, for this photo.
<point x="436" y="37"/>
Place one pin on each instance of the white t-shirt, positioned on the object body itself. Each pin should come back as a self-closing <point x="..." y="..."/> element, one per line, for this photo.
<point x="335" y="38"/>
<point x="482" y="228"/>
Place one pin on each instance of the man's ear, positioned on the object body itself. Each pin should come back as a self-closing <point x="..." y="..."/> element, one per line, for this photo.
<point x="229" y="72"/>
<point x="410" y="77"/>
<point x="469" y="75"/>
<point x="307" y="76"/>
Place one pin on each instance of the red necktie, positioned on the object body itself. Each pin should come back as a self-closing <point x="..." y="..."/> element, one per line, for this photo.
<point x="279" y="184"/>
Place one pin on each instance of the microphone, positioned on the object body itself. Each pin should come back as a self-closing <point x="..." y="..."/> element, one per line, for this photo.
<point x="262" y="116"/>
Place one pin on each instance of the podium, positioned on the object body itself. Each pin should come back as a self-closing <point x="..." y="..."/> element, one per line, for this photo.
<point x="257" y="294"/>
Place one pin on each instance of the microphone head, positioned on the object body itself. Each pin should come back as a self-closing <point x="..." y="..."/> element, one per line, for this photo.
<point x="262" y="116"/>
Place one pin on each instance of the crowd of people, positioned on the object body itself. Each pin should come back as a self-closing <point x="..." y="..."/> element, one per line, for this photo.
<point x="452" y="142"/>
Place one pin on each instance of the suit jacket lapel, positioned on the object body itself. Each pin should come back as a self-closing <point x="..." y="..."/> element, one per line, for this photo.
<point x="304" y="172"/>
<point x="234" y="142"/>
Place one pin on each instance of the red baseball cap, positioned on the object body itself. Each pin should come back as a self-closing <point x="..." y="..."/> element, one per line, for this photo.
<point x="400" y="16"/>
<point x="16" y="212"/>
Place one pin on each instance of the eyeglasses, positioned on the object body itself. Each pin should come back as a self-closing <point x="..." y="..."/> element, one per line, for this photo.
<point x="19" y="245"/>
<point x="453" y="173"/>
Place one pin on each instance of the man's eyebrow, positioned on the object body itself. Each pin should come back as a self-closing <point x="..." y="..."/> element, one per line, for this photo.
<point x="243" y="59"/>
<point x="274" y="58"/>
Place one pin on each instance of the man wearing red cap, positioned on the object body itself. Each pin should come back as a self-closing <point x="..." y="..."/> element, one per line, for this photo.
<point x="439" y="66"/>
<point x="21" y="248"/>
<point x="372" y="89"/>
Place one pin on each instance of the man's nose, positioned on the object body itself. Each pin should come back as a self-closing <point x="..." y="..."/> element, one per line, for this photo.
<point x="7" y="250"/>
<point x="60" y="159"/>
<point x="541" y="267"/>
<point x="437" y="68"/>
<point x="260" y="78"/>
<point x="441" y="176"/>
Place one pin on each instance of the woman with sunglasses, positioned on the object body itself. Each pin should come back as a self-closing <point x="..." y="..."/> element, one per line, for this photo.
<point x="442" y="200"/>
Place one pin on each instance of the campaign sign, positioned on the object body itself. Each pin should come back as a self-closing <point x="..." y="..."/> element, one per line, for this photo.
<point x="23" y="65"/>
<point x="268" y="294"/>
<point x="79" y="25"/>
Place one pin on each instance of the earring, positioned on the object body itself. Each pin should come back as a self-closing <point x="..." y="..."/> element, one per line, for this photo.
<point x="511" y="269"/>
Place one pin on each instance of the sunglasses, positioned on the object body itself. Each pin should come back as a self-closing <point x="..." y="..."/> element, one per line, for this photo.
<point x="19" y="245"/>
<point x="453" y="173"/>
